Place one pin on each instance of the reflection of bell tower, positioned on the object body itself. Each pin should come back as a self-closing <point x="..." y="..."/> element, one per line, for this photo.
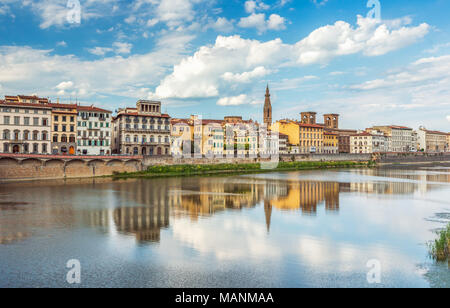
<point x="267" y="109"/>
<point x="268" y="212"/>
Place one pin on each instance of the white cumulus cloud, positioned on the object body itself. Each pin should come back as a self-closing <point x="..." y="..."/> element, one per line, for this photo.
<point x="235" y="58"/>
<point x="233" y="101"/>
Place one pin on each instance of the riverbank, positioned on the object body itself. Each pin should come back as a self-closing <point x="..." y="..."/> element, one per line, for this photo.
<point x="230" y="169"/>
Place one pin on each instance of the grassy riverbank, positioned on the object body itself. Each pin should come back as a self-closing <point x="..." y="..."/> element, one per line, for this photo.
<point x="190" y="170"/>
<point x="440" y="248"/>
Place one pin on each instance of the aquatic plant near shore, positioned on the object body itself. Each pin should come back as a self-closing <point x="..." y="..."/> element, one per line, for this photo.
<point x="440" y="248"/>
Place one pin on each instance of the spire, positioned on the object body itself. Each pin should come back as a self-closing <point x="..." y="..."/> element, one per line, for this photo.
<point x="267" y="109"/>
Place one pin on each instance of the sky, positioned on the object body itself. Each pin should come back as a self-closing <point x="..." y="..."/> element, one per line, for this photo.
<point x="375" y="62"/>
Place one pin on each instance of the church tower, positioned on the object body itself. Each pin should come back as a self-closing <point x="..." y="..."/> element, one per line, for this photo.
<point x="268" y="109"/>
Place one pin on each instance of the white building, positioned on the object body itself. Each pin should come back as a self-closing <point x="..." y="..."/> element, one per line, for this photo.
<point x="25" y="125"/>
<point x="93" y="131"/>
<point x="402" y="139"/>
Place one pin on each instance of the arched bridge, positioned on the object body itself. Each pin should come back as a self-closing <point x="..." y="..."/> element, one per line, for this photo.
<point x="32" y="166"/>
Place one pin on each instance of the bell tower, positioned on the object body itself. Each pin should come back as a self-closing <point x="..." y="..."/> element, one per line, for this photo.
<point x="268" y="109"/>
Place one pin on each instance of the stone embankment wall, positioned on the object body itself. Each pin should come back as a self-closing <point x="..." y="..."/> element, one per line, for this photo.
<point x="29" y="167"/>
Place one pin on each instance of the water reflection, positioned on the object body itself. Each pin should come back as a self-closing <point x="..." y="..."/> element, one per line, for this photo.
<point x="142" y="207"/>
<point x="329" y="220"/>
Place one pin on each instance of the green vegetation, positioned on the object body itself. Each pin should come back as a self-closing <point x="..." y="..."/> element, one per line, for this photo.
<point x="440" y="248"/>
<point x="189" y="170"/>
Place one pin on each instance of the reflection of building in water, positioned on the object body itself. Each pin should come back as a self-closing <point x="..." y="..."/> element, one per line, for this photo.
<point x="205" y="197"/>
<point x="306" y="196"/>
<point x="144" y="222"/>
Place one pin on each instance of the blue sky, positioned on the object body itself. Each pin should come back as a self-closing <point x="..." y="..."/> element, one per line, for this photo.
<point x="215" y="57"/>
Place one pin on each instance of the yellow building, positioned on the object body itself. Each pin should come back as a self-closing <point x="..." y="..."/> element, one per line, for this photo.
<point x="311" y="138"/>
<point x="64" y="128"/>
<point x="302" y="138"/>
<point x="330" y="143"/>
<point x="289" y="128"/>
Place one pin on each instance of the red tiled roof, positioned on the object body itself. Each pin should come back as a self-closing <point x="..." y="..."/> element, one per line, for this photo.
<point x="17" y="104"/>
<point x="143" y="115"/>
<point x="310" y="125"/>
<point x="91" y="108"/>
<point x="361" y="134"/>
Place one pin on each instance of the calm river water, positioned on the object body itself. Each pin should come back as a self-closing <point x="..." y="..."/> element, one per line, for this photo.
<point x="294" y="229"/>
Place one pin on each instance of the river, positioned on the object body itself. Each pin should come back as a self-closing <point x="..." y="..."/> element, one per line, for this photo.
<point x="292" y="229"/>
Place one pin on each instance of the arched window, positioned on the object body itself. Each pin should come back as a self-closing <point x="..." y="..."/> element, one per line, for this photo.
<point x="26" y="135"/>
<point x="72" y="139"/>
<point x="64" y="138"/>
<point x="55" y="138"/>
<point x="16" y="134"/>
<point x="135" y="139"/>
<point x="44" y="136"/>
<point x="35" y="135"/>
<point x="127" y="139"/>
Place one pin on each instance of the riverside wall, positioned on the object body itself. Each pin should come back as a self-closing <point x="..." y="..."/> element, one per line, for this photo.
<point x="31" y="167"/>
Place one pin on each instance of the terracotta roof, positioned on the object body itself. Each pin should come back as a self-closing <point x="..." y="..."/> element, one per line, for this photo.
<point x="69" y="106"/>
<point x="310" y="125"/>
<point x="91" y="108"/>
<point x="361" y="134"/>
<point x="17" y="104"/>
<point x="435" y="132"/>
<point x="143" y="115"/>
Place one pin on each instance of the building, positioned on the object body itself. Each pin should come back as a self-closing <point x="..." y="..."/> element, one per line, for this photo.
<point x="330" y="143"/>
<point x="93" y="131"/>
<point x="447" y="149"/>
<point x="369" y="141"/>
<point x="267" y="109"/>
<point x="303" y="138"/>
<point x="401" y="138"/>
<point x="182" y="136"/>
<point x="361" y="143"/>
<point x="143" y="130"/>
<point x="25" y="125"/>
<point x="64" y="129"/>
<point x="311" y="138"/>
<point x="431" y="141"/>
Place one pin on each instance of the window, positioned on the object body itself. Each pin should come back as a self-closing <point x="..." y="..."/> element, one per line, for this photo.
<point x="44" y="136"/>
<point x="55" y="128"/>
<point x="35" y="148"/>
<point x="35" y="135"/>
<point x="26" y="121"/>
<point x="64" y="119"/>
<point x="64" y="128"/>
<point x="36" y="121"/>
<point x="56" y="118"/>
<point x="16" y="120"/>
<point x="55" y="138"/>
<point x="44" y="122"/>
<point x="44" y="148"/>
<point x="63" y="138"/>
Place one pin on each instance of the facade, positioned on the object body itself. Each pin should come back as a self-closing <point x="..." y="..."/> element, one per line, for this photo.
<point x="25" y="125"/>
<point x="361" y="143"/>
<point x="64" y="129"/>
<point x="431" y="141"/>
<point x="401" y="138"/>
<point x="93" y="131"/>
<point x="143" y="130"/>
<point x="311" y="138"/>
<point x="369" y="142"/>
<point x="448" y="143"/>
<point x="330" y="143"/>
